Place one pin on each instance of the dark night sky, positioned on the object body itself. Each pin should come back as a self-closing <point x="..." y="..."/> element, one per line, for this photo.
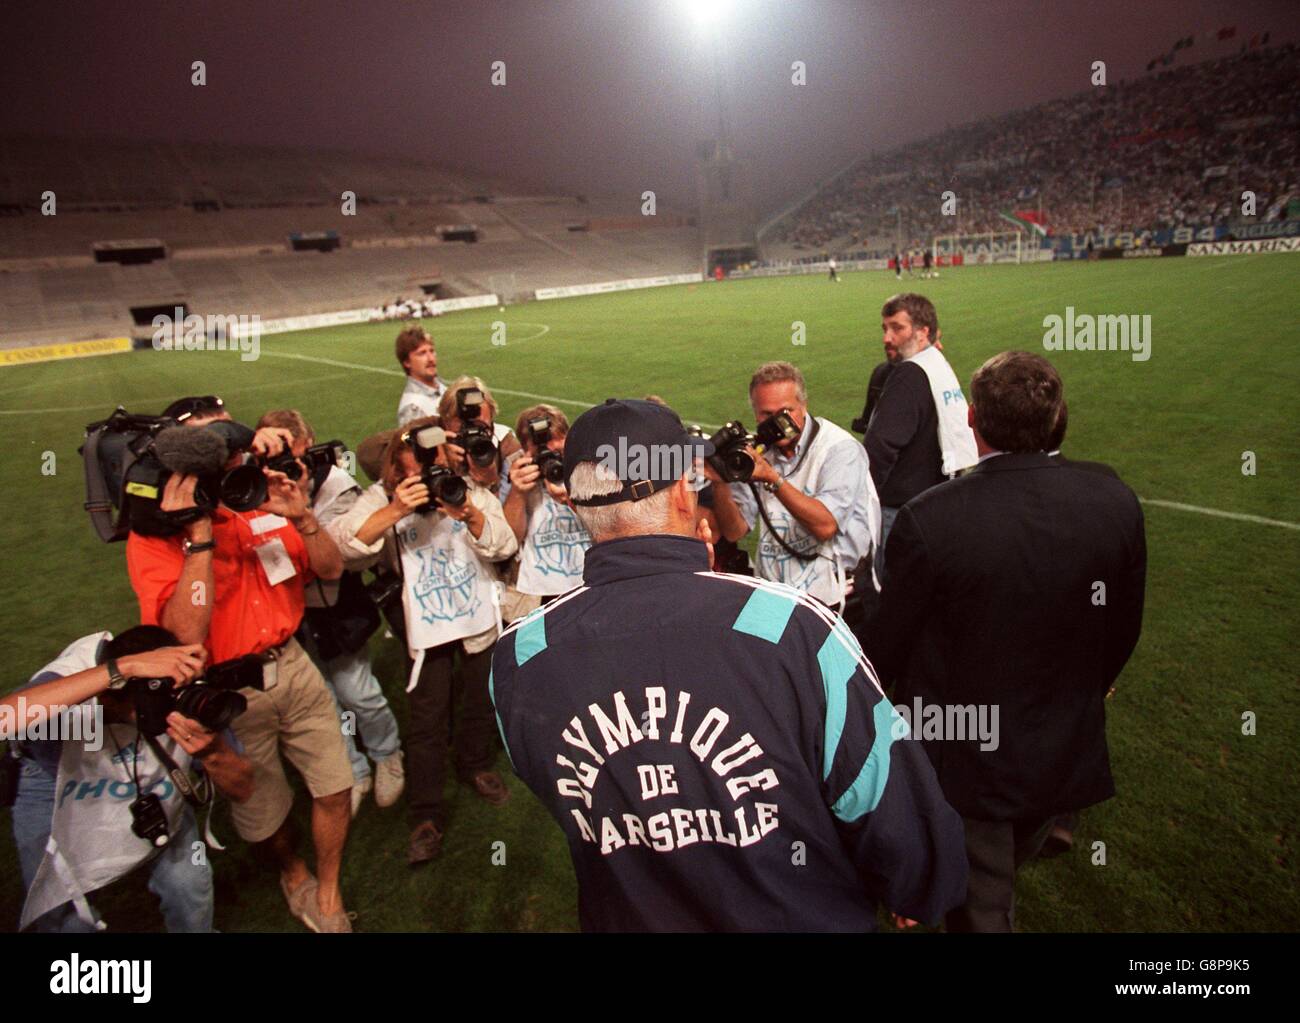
<point x="601" y="95"/>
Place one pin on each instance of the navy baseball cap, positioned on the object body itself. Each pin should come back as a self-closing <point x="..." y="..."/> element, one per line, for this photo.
<point x="644" y="443"/>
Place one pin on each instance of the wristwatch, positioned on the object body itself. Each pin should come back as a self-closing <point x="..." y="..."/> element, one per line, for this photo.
<point x="198" y="548"/>
<point x="772" y="488"/>
<point x="116" y="680"/>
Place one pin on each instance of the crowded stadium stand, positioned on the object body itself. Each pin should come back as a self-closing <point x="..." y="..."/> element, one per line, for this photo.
<point x="1143" y="154"/>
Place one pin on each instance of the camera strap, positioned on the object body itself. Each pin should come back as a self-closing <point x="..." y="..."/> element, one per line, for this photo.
<point x="197" y="793"/>
<point x="758" y="499"/>
<point x="797" y="555"/>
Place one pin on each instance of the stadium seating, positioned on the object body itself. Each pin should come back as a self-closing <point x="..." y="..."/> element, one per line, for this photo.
<point x="1163" y="150"/>
<point x="236" y="259"/>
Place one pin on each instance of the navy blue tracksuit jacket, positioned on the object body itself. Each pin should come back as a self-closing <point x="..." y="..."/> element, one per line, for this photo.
<point x="719" y="754"/>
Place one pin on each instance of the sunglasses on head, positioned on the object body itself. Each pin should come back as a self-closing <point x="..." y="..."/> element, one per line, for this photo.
<point x="184" y="409"/>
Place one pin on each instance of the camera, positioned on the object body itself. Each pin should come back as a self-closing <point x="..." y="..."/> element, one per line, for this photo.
<point x="729" y="460"/>
<point x="319" y="459"/>
<point x="772" y="431"/>
<point x="475" y="436"/>
<point x="155" y="698"/>
<point x="551" y="463"/>
<point x="149" y="820"/>
<point x="129" y="459"/>
<point x="444" y="485"/>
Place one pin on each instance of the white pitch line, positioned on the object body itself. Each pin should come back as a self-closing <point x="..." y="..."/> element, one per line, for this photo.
<point x="394" y="373"/>
<point x="1176" y="505"/>
<point x="1257" y="519"/>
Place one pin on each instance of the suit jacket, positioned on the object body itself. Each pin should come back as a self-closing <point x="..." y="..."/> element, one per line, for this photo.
<point x="990" y="598"/>
<point x="902" y="438"/>
<point x="874" y="386"/>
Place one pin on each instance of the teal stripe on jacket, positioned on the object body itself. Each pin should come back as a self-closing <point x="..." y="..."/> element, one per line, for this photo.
<point x="868" y="788"/>
<point x="765" y="615"/>
<point x="530" y="638"/>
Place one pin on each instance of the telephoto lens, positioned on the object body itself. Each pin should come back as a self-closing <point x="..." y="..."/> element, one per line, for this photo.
<point x="213" y="708"/>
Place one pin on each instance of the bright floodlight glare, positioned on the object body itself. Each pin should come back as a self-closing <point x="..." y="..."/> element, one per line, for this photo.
<point x="706" y="12"/>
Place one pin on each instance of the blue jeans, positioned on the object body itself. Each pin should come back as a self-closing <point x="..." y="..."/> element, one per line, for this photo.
<point x="184" y="888"/>
<point x="356" y="689"/>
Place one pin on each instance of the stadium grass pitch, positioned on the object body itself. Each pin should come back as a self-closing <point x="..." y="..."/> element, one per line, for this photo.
<point x="1203" y="833"/>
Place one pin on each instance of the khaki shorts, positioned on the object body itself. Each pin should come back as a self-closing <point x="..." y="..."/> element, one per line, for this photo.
<point x="297" y="717"/>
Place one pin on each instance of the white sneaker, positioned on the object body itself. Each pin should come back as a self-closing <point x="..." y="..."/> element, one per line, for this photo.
<point x="361" y="789"/>
<point x="390" y="779"/>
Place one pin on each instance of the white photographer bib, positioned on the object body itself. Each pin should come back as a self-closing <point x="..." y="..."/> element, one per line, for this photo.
<point x="554" y="548"/>
<point x="91" y="842"/>
<point x="956" y="440"/>
<point x="823" y="577"/>
<point x="448" y="591"/>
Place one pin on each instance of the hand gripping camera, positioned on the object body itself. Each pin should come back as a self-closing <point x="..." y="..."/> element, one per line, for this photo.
<point x="551" y="463"/>
<point x="129" y="459"/>
<point x="154" y="699"/>
<point x="444" y="485"/>
<point x="730" y="460"/>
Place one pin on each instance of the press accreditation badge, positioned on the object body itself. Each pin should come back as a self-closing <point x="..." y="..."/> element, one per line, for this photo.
<point x="275" y="560"/>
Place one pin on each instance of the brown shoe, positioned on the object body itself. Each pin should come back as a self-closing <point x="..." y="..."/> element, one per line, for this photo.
<point x="489" y="785"/>
<point x="425" y="844"/>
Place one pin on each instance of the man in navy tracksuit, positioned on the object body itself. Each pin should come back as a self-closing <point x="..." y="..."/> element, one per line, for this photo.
<point x="715" y="747"/>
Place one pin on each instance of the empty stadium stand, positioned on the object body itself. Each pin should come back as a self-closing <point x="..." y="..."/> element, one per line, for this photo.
<point x="225" y="215"/>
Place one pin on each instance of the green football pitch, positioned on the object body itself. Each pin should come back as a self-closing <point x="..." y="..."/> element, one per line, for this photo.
<point x="1203" y="833"/>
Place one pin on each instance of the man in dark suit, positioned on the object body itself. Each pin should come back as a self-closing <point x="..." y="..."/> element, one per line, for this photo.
<point x="874" y="386"/>
<point x="1016" y="589"/>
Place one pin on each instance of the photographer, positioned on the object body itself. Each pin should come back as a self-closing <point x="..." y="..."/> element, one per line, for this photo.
<point x="817" y="503"/>
<point x="419" y="361"/>
<point x="94" y="843"/>
<point x="234" y="581"/>
<point x="552" y="541"/>
<point x="338" y="621"/>
<point x="468" y="413"/>
<point x="442" y="533"/>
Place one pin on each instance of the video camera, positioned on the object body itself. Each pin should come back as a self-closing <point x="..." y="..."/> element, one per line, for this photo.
<point x="551" y="463"/>
<point x="730" y="459"/>
<point x="444" y="485"/>
<point x="129" y="459"/>
<point x="475" y="436"/>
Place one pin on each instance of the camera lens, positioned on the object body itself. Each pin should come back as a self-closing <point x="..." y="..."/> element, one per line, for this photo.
<point x="738" y="466"/>
<point x="450" y="490"/>
<point x="243" y="488"/>
<point x="481" y="451"/>
<point x="214" y="709"/>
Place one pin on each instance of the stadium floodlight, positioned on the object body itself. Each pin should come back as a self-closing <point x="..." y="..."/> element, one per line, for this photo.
<point x="706" y="13"/>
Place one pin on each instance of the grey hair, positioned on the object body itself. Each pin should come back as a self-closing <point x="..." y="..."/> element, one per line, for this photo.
<point x="776" y="372"/>
<point x="624" y="518"/>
